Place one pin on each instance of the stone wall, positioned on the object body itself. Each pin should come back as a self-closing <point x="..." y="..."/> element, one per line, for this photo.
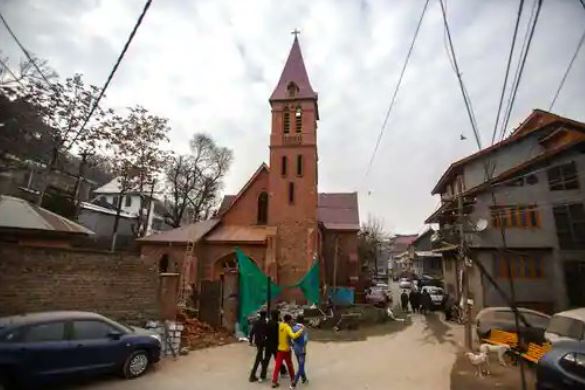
<point x="119" y="285"/>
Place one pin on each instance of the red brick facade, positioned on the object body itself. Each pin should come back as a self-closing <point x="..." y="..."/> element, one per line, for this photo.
<point x="276" y="217"/>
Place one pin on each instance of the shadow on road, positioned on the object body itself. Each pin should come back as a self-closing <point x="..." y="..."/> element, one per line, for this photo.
<point x="435" y="329"/>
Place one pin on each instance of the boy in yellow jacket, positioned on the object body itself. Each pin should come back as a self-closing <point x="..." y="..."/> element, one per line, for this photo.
<point x="285" y="334"/>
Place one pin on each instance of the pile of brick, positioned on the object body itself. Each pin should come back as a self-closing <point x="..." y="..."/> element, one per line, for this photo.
<point x="197" y="334"/>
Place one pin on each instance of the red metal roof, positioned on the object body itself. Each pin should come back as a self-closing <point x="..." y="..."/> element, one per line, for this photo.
<point x="241" y="233"/>
<point x="535" y="121"/>
<point x="192" y="232"/>
<point x="339" y="211"/>
<point x="294" y="71"/>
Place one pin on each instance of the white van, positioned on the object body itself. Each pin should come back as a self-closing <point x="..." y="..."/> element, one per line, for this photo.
<point x="566" y="325"/>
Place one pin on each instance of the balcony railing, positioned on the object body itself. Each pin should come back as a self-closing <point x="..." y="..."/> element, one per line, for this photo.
<point x="292" y="139"/>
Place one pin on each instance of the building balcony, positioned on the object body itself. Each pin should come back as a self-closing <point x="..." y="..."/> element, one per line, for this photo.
<point x="292" y="139"/>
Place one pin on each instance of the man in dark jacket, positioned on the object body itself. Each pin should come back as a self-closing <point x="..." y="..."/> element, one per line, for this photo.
<point x="413" y="298"/>
<point x="258" y="336"/>
<point x="404" y="301"/>
<point x="271" y="344"/>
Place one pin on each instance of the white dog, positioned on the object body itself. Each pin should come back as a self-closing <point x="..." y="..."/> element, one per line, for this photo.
<point x="500" y="350"/>
<point x="479" y="360"/>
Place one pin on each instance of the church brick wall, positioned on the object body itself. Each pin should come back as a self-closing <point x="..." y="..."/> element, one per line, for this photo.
<point x="245" y="210"/>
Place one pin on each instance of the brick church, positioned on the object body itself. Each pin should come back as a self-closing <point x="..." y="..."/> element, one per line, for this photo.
<point x="278" y="218"/>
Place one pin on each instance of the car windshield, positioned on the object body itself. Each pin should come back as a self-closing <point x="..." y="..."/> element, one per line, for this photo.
<point x="566" y="327"/>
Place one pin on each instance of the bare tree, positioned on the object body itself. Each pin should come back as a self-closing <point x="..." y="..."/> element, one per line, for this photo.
<point x="134" y="141"/>
<point x="64" y="108"/>
<point x="195" y="179"/>
<point x="370" y="239"/>
<point x="13" y="81"/>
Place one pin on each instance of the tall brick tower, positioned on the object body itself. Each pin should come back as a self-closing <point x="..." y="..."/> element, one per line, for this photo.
<point x="293" y="170"/>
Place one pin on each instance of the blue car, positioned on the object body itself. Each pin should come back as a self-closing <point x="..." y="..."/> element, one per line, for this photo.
<point x="563" y="367"/>
<point x="43" y="348"/>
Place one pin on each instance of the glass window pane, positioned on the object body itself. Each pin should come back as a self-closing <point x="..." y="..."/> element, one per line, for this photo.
<point x="89" y="330"/>
<point x="54" y="331"/>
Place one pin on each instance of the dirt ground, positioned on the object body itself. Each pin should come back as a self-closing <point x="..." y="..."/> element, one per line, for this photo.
<point x="417" y="356"/>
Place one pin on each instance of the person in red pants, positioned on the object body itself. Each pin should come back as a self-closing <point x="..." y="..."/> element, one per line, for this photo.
<point x="285" y="334"/>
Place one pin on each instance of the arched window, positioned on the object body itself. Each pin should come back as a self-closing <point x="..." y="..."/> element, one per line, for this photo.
<point x="163" y="264"/>
<point x="291" y="193"/>
<point x="300" y="165"/>
<point x="298" y="120"/>
<point x="286" y="121"/>
<point x="263" y="208"/>
<point x="283" y="166"/>
<point x="292" y="89"/>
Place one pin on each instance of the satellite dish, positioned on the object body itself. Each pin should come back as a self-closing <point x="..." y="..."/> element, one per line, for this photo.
<point x="481" y="225"/>
<point x="435" y="237"/>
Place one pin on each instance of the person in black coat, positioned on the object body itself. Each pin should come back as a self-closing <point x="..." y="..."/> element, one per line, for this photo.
<point x="425" y="302"/>
<point x="413" y="298"/>
<point x="404" y="301"/>
<point x="271" y="344"/>
<point x="258" y="337"/>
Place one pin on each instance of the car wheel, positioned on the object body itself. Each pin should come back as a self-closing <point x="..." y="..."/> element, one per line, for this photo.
<point x="136" y="364"/>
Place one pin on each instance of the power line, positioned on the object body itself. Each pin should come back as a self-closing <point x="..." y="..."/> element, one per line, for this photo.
<point x="26" y="53"/>
<point x="510" y="55"/>
<point x="389" y="110"/>
<point x="466" y="98"/>
<point x="552" y="103"/>
<point x="520" y="69"/>
<point x="116" y="65"/>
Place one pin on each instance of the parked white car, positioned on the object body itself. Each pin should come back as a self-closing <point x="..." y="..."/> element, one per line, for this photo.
<point x="566" y="325"/>
<point x="436" y="294"/>
<point x="404" y="283"/>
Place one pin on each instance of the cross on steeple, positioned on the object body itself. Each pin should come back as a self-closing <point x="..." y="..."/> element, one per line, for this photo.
<point x="295" y="32"/>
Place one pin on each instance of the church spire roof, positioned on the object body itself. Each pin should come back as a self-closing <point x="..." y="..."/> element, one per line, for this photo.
<point x="294" y="81"/>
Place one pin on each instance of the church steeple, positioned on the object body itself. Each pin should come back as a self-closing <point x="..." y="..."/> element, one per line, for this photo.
<point x="294" y="81"/>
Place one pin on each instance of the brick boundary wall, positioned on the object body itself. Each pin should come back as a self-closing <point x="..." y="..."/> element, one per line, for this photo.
<point x="117" y="285"/>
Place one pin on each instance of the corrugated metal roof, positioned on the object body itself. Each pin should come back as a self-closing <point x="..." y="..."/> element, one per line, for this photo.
<point x="192" y="232"/>
<point x="339" y="211"/>
<point x="241" y="233"/>
<point x="16" y="213"/>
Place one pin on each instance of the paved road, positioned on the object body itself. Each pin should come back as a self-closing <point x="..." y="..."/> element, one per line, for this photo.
<point x="418" y="357"/>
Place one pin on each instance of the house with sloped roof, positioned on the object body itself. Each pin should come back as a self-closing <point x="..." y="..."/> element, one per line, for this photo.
<point x="278" y="218"/>
<point x="25" y="223"/>
<point x="530" y="190"/>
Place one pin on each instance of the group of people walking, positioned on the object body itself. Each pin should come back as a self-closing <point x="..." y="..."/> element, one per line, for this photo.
<point x="275" y="339"/>
<point x="419" y="302"/>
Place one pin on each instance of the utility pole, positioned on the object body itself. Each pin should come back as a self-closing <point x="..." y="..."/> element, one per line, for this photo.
<point x="465" y="273"/>
<point x="335" y="273"/>
<point x="84" y="155"/>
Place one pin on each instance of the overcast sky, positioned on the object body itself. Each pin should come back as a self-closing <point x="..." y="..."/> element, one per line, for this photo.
<point x="210" y="65"/>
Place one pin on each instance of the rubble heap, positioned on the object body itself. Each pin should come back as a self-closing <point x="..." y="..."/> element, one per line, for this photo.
<point x="197" y="334"/>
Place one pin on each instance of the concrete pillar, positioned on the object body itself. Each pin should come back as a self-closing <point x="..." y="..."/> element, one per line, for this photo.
<point x="168" y="295"/>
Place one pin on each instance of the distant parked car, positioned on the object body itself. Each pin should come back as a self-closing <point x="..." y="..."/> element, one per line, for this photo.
<point x="503" y="318"/>
<point x="41" y="348"/>
<point x="426" y="280"/>
<point x="405" y="283"/>
<point x="436" y="294"/>
<point x="562" y="368"/>
<point x="566" y="325"/>
<point x="378" y="296"/>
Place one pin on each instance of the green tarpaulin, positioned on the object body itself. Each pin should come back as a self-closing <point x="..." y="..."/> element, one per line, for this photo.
<point x="254" y="287"/>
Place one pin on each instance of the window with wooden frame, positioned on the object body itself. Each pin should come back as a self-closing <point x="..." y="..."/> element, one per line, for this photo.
<point x="286" y="121"/>
<point x="291" y="193"/>
<point x="283" y="166"/>
<point x="563" y="177"/>
<point x="298" y="120"/>
<point x="300" y="165"/>
<point x="525" y="217"/>
<point x="570" y="224"/>
<point x="521" y="266"/>
<point x="128" y="201"/>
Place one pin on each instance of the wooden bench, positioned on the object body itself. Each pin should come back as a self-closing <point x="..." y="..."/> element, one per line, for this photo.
<point x="500" y="337"/>
<point x="535" y="352"/>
